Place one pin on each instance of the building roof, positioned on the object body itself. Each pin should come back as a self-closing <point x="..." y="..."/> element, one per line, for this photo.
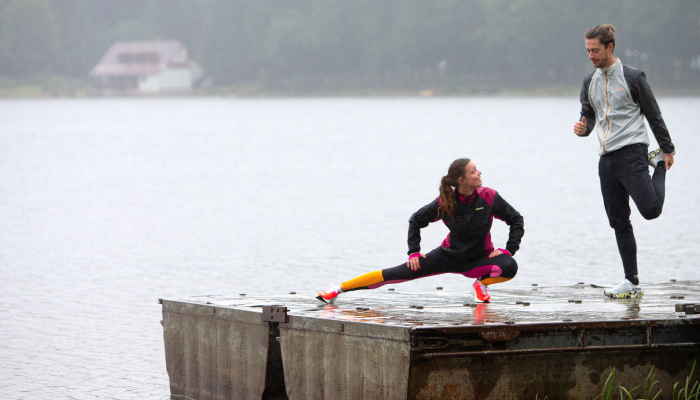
<point x="141" y="58"/>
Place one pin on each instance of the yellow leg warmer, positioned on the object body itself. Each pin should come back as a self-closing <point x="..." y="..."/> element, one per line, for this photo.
<point x="491" y="281"/>
<point x="363" y="280"/>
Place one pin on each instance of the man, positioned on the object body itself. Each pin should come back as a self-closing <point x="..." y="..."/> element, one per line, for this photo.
<point x="615" y="99"/>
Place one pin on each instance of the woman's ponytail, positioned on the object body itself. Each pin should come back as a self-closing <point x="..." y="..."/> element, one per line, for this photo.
<point x="448" y="199"/>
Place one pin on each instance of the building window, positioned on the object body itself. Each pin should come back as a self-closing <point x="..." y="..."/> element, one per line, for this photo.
<point x="138" y="58"/>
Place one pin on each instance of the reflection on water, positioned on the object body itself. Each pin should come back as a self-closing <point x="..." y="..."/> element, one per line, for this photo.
<point x="634" y="309"/>
<point x="482" y="314"/>
<point x="107" y="205"/>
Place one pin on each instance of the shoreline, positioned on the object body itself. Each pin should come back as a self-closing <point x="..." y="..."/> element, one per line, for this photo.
<point x="29" y="91"/>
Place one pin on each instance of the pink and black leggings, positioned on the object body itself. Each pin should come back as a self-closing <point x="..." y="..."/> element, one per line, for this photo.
<point x="501" y="268"/>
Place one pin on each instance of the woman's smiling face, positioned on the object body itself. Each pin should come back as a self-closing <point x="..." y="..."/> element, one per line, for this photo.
<point x="471" y="179"/>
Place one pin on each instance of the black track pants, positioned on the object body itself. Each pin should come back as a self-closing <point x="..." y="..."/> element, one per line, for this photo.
<point x="624" y="173"/>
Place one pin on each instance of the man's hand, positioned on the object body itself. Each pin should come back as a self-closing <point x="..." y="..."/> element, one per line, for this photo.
<point x="413" y="263"/>
<point x="580" y="127"/>
<point x="668" y="160"/>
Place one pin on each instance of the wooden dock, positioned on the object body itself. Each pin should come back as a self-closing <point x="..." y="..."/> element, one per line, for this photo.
<point x="529" y="342"/>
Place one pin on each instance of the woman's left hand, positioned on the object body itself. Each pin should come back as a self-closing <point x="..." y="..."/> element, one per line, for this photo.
<point x="495" y="253"/>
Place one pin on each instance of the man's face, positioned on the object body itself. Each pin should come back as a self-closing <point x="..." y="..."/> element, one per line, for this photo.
<point x="600" y="56"/>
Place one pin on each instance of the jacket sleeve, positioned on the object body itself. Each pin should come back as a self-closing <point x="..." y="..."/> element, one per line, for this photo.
<point x="586" y="109"/>
<point x="642" y="95"/>
<point x="504" y="211"/>
<point x="419" y="220"/>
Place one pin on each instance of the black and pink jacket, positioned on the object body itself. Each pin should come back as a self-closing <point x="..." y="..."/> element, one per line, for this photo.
<point x="470" y="235"/>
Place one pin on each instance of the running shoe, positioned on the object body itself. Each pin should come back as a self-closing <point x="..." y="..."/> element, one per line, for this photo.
<point x="625" y="290"/>
<point x="329" y="295"/>
<point x="480" y="292"/>
<point x="655" y="156"/>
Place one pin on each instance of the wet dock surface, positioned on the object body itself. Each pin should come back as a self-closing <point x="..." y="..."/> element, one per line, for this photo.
<point x="509" y="305"/>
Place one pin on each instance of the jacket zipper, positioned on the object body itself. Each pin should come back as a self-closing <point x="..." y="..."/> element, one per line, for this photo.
<point x="607" y="102"/>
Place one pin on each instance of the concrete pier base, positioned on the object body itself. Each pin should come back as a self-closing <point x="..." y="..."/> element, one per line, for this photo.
<point x="554" y="342"/>
<point x="214" y="353"/>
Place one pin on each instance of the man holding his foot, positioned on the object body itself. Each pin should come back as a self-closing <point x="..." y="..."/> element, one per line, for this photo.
<point x="615" y="99"/>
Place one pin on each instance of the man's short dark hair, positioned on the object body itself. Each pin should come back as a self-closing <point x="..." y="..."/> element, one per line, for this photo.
<point x="605" y="33"/>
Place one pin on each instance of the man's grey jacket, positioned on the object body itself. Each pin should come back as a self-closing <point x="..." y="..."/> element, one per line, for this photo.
<point x="616" y="100"/>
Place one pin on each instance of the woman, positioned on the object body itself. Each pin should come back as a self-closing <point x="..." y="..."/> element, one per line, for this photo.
<point x="468" y="211"/>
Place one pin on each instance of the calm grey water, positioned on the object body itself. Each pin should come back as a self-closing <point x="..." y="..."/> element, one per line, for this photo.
<point x="107" y="205"/>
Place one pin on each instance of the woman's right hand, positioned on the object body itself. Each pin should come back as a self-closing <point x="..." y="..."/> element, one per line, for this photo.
<point x="413" y="261"/>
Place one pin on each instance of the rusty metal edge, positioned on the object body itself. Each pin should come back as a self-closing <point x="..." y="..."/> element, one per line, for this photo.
<point x="554" y="350"/>
<point x="559" y="325"/>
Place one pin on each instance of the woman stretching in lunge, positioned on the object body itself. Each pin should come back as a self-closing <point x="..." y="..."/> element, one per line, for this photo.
<point x="468" y="211"/>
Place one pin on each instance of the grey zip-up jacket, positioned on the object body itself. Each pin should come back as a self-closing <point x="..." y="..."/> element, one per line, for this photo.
<point x="615" y="100"/>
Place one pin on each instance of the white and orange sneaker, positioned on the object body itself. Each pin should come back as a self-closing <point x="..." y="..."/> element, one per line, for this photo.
<point x="329" y="295"/>
<point x="480" y="292"/>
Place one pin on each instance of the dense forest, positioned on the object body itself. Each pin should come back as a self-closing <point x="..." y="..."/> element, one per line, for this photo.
<point x="361" y="46"/>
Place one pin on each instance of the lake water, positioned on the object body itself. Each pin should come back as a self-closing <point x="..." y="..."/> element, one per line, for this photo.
<point x="107" y="205"/>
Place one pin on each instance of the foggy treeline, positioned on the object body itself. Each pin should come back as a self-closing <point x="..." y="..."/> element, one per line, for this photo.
<point x="451" y="46"/>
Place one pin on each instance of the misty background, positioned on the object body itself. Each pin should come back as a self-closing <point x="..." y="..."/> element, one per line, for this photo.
<point x="353" y="47"/>
<point x="299" y="159"/>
